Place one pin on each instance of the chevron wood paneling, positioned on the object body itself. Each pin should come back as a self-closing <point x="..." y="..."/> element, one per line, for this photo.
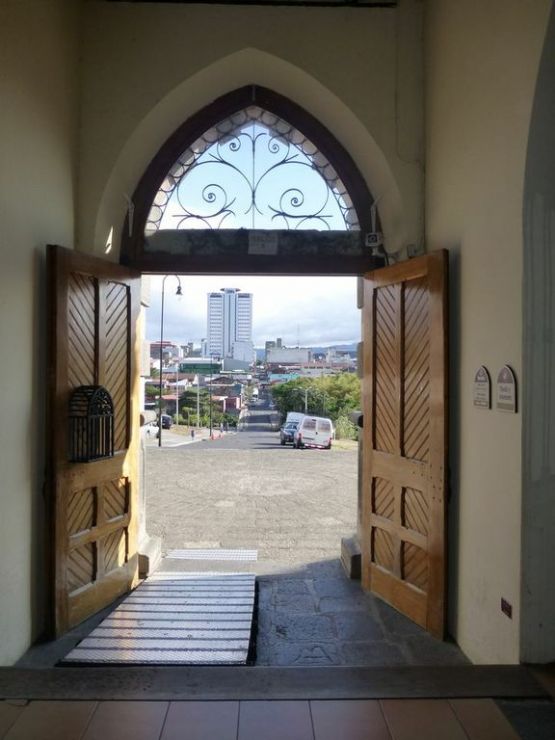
<point x="383" y="502"/>
<point x="81" y="336"/>
<point x="415" y="566"/>
<point x="81" y="566"/>
<point x="386" y="413"/>
<point x="81" y="511"/>
<point x="416" y="512"/>
<point x="94" y="307"/>
<point x="115" y="550"/>
<point x="403" y="518"/>
<point x="383" y="549"/>
<point x="116" y="500"/>
<point x="416" y="395"/>
<point x="117" y="358"/>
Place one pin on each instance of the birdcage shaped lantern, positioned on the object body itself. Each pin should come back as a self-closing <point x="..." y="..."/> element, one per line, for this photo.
<point x="91" y="424"/>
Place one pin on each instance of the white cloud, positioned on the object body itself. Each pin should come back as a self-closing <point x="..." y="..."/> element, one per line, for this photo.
<point x="309" y="310"/>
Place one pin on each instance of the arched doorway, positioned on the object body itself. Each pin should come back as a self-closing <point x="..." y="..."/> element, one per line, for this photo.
<point x="312" y="240"/>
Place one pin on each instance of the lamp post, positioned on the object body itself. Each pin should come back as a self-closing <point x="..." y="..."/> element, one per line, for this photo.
<point x="210" y="395"/>
<point x="179" y="293"/>
<point x="177" y="394"/>
<point x="305" y="391"/>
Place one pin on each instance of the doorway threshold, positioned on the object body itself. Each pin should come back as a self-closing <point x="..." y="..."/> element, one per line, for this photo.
<point x="202" y="683"/>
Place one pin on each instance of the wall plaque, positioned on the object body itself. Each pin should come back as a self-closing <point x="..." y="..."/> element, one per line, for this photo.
<point x="506" y="390"/>
<point x="263" y="242"/>
<point x="482" y="388"/>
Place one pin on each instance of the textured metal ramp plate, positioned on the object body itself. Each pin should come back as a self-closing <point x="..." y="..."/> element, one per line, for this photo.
<point x="218" y="554"/>
<point x="176" y="619"/>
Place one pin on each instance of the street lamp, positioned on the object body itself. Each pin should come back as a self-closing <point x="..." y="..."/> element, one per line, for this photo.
<point x="177" y="393"/>
<point x="305" y="391"/>
<point x="210" y="394"/>
<point x="178" y="292"/>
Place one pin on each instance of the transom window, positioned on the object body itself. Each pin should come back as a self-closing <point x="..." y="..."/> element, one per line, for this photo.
<point x="252" y="171"/>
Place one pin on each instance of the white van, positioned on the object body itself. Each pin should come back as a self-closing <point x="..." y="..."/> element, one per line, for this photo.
<point x="313" y="431"/>
<point x="293" y="416"/>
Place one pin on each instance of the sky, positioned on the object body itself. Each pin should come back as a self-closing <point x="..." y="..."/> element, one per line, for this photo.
<point x="305" y="311"/>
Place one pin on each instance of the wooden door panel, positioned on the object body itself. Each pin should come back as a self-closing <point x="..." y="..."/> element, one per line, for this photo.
<point x="94" y="308"/>
<point x="405" y="437"/>
<point x="386" y="393"/>
<point x="416" y="388"/>
<point x="81" y="331"/>
<point x="116" y="357"/>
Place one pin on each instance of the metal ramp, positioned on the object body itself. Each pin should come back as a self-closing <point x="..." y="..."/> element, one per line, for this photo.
<point x="177" y="619"/>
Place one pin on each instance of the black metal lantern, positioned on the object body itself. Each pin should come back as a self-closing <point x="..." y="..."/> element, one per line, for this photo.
<point x="91" y="424"/>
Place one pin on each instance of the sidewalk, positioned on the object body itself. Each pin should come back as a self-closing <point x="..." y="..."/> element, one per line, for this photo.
<point x="174" y="438"/>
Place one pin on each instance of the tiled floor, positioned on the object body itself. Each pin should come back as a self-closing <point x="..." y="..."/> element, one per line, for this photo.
<point x="432" y="719"/>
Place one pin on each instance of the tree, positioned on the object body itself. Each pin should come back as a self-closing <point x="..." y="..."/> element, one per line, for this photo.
<point x="332" y="395"/>
<point x="152" y="391"/>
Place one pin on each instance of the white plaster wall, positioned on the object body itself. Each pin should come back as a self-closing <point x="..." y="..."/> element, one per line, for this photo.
<point x="38" y="64"/>
<point x="481" y="65"/>
<point x="147" y="68"/>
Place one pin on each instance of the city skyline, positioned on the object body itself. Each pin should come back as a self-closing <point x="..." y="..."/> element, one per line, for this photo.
<point x="306" y="311"/>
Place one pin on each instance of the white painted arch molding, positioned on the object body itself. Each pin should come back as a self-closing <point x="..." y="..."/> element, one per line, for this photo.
<point x="248" y="66"/>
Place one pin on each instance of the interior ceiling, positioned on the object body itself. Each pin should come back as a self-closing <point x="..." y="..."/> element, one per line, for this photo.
<point x="315" y="3"/>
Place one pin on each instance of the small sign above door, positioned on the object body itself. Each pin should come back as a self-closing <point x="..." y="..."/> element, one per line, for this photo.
<point x="482" y="388"/>
<point x="506" y="390"/>
<point x="263" y="242"/>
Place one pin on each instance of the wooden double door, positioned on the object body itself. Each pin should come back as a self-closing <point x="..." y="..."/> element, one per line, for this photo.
<point x="94" y="310"/>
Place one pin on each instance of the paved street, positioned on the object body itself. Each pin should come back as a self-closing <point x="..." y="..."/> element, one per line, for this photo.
<point x="246" y="491"/>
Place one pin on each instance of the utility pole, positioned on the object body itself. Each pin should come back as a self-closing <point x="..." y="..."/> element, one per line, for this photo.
<point x="178" y="292"/>
<point x="177" y="394"/>
<point x="210" y="395"/>
<point x="198" y="400"/>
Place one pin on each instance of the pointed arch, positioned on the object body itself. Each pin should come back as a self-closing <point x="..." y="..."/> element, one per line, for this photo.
<point x="222" y="108"/>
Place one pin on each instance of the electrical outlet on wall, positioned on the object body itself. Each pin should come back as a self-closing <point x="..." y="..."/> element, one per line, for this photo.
<point x="506" y="608"/>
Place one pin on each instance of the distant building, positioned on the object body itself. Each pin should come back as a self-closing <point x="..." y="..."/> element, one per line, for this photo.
<point x="288" y="356"/>
<point x="187" y="349"/>
<point x="243" y="351"/>
<point x="170" y="350"/>
<point x="272" y="344"/>
<point x="229" y="323"/>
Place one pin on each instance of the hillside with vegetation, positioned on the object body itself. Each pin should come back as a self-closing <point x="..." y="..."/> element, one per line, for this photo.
<point x="334" y="396"/>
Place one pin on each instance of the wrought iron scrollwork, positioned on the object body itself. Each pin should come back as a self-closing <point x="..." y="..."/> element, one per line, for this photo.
<point x="252" y="171"/>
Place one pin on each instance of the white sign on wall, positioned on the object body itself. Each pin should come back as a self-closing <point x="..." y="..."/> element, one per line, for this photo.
<point x="482" y="388"/>
<point x="506" y="390"/>
<point x="263" y="242"/>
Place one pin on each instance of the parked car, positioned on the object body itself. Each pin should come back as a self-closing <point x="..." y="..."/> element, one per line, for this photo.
<point x="166" y="421"/>
<point x="151" y="429"/>
<point x="287" y="431"/>
<point x="313" y="431"/>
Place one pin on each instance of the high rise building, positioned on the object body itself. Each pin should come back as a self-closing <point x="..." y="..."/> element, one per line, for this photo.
<point x="229" y="321"/>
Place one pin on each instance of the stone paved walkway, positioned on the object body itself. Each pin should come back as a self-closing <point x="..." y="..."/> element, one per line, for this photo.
<point x="293" y="506"/>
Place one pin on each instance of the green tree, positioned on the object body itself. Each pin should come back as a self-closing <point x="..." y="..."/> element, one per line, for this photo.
<point x="151" y="391"/>
<point x="332" y="395"/>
